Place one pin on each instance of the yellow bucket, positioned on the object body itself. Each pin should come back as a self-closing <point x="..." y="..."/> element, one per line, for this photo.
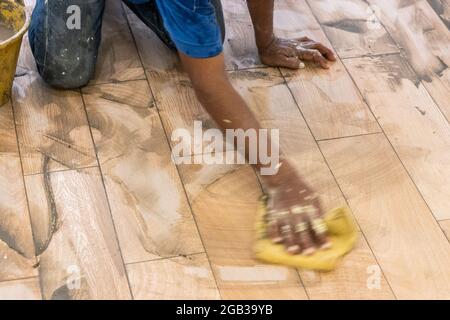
<point x="13" y="16"/>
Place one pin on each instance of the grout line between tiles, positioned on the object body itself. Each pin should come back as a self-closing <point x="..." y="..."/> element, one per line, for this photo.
<point x="33" y="237"/>
<point x="166" y="258"/>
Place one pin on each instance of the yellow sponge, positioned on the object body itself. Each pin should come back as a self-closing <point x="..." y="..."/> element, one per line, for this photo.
<point x="342" y="232"/>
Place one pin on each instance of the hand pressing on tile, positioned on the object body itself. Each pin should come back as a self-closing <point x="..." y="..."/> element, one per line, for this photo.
<point x="294" y="213"/>
<point x="293" y="53"/>
<point x="279" y="52"/>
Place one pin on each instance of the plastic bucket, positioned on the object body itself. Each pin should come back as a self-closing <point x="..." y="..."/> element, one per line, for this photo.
<point x="13" y="16"/>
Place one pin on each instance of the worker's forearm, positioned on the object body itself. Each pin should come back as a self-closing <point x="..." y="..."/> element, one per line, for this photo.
<point x="261" y="12"/>
<point x="230" y="111"/>
<point x="226" y="106"/>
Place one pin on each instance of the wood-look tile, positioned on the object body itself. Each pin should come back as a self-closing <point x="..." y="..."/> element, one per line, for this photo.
<point x="413" y="123"/>
<point x="353" y="27"/>
<point x="16" y="243"/>
<point x="52" y="127"/>
<point x="425" y="40"/>
<point x="328" y="99"/>
<point x="24" y="289"/>
<point x="404" y="236"/>
<point x="79" y="256"/>
<point x="148" y="203"/>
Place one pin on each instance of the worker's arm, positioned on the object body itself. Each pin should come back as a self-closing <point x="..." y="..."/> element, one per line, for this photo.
<point x="278" y="52"/>
<point x="286" y="188"/>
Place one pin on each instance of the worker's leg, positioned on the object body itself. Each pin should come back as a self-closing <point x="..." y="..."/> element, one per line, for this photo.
<point x="149" y="14"/>
<point x="64" y="38"/>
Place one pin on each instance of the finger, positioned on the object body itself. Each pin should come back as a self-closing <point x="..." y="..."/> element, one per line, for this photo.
<point x="326" y="52"/>
<point x="288" y="51"/>
<point x="304" y="237"/>
<point x="288" y="236"/>
<point x="302" y="231"/>
<point x="320" y="233"/>
<point x="303" y="39"/>
<point x="314" y="56"/>
<point x="273" y="231"/>
<point x="319" y="227"/>
<point x="291" y="63"/>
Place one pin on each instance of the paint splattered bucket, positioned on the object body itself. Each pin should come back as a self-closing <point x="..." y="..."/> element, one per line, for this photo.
<point x="12" y="16"/>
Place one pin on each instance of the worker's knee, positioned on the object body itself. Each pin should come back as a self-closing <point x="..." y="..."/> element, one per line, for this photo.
<point x="65" y="57"/>
<point x="71" y="75"/>
<point x="62" y="64"/>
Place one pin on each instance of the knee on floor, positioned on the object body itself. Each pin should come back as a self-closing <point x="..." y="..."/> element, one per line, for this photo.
<point x="69" y="75"/>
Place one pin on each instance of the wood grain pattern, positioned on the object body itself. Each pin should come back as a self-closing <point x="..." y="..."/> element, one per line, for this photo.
<point x="52" y="127"/>
<point x="180" y="278"/>
<point x="74" y="237"/>
<point x="393" y="216"/>
<point x="25" y="289"/>
<point x="413" y="123"/>
<point x="352" y="27"/>
<point x="426" y="42"/>
<point x="118" y="59"/>
<point x="331" y="97"/>
<point x="16" y="243"/>
<point x="150" y="209"/>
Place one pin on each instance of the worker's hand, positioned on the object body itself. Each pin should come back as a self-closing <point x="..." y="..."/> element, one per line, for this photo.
<point x="295" y="216"/>
<point x="292" y="53"/>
